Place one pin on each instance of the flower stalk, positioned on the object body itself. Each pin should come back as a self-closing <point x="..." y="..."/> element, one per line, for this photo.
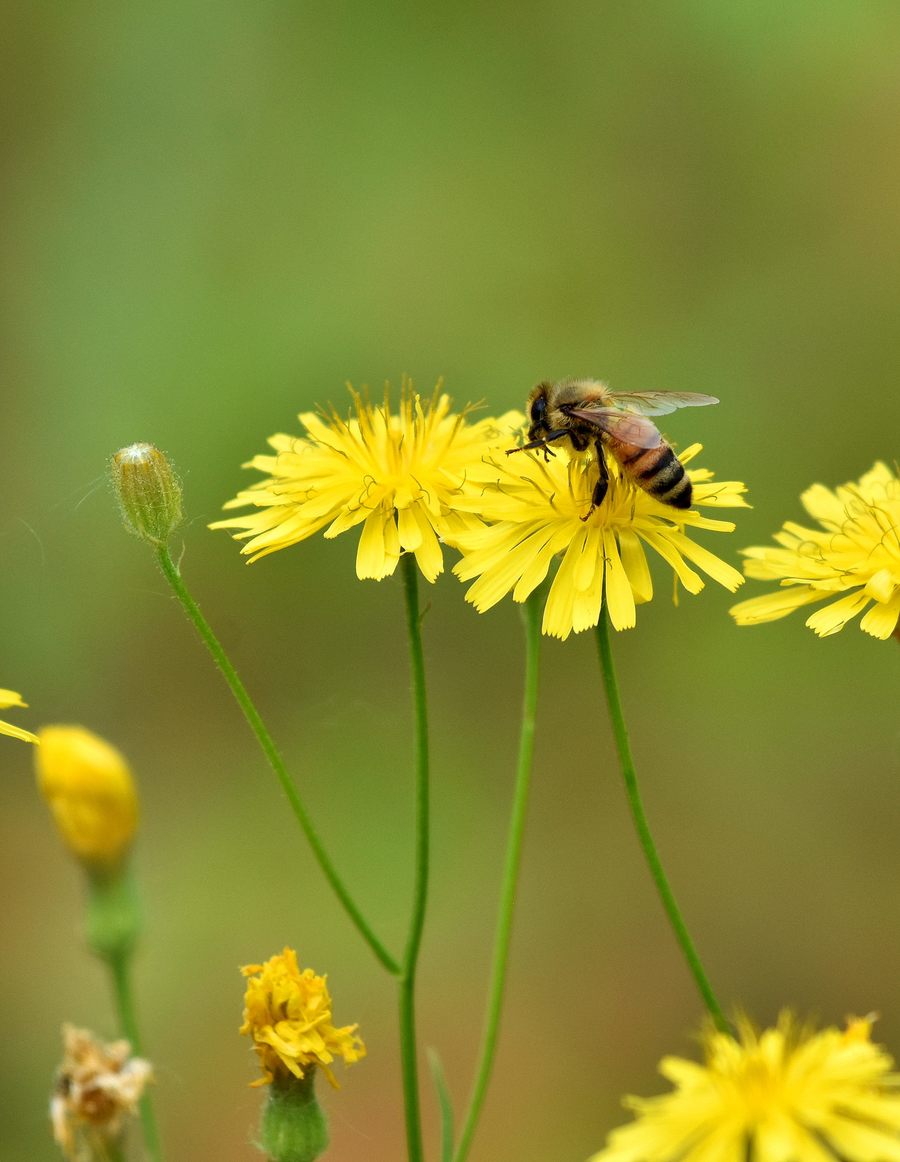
<point x="407" y="1001"/>
<point x="113" y="924"/>
<point x="267" y="744"/>
<point x="119" y="964"/>
<point x="531" y="617"/>
<point x="642" y="827"/>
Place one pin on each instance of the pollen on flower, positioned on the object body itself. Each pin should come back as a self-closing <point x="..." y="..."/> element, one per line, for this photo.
<point x="536" y="511"/>
<point x="287" y="1013"/>
<point x="90" y="791"/>
<point x="9" y="698"/>
<point x="97" y="1089"/>
<point x="394" y="474"/>
<point x="851" y="563"/>
<point x="786" y="1093"/>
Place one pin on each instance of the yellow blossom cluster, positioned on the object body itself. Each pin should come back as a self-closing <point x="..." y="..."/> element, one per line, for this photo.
<point x="786" y="1094"/>
<point x="851" y="562"/>
<point x="287" y="1013"/>
<point x="396" y="474"/>
<point x="423" y="475"/>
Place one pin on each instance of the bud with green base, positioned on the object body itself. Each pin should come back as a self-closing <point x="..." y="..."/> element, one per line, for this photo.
<point x="293" y="1127"/>
<point x="148" y="491"/>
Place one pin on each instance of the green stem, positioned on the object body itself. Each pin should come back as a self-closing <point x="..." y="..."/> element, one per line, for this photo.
<point x="264" y="738"/>
<point x="407" y="1000"/>
<point x="531" y="616"/>
<point x="120" y="971"/>
<point x="642" y="827"/>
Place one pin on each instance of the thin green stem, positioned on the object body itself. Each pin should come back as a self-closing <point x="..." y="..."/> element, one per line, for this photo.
<point x="642" y="827"/>
<point x="264" y="738"/>
<point x="407" y="998"/>
<point x="531" y="618"/>
<point x="120" y="971"/>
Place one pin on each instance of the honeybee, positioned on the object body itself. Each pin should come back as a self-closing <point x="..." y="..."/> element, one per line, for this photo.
<point x="585" y="412"/>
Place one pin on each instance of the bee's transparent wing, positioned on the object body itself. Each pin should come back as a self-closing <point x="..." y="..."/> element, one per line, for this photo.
<point x="628" y="427"/>
<point x="659" y="403"/>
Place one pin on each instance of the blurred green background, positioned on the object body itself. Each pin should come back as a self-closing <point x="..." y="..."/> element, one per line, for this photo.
<point x="215" y="215"/>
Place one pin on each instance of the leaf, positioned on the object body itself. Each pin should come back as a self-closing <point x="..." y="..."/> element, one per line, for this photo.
<point x="444" y="1100"/>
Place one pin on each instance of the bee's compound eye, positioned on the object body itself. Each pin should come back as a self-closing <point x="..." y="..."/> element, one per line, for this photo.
<point x="539" y="409"/>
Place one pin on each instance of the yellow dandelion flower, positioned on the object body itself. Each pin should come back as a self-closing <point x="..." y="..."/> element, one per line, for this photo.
<point x="854" y="557"/>
<point x="288" y="1014"/>
<point x="10" y="698"/>
<point x="98" y="1087"/>
<point x="786" y="1094"/>
<point x="537" y="510"/>
<point x="396" y="475"/>
<point x="89" y="789"/>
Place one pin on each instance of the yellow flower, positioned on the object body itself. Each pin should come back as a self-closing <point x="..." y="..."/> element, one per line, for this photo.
<point x="11" y="698"/>
<point x="856" y="553"/>
<point x="98" y="1087"/>
<point x="784" y="1095"/>
<point x="537" y="510"/>
<point x="90" y="792"/>
<point x="288" y="1014"/>
<point x="395" y="475"/>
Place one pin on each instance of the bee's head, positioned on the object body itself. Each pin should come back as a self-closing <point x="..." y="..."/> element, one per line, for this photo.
<point x="537" y="411"/>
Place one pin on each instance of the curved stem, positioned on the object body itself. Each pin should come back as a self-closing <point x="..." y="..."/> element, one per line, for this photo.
<point x="120" y="971"/>
<point x="531" y="616"/>
<point x="408" y="1048"/>
<point x="264" y="738"/>
<point x="642" y="827"/>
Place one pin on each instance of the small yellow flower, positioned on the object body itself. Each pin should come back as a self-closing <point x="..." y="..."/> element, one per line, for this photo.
<point x="396" y="475"/>
<point x="537" y="509"/>
<point x="786" y="1094"/>
<point x="98" y="1087"/>
<point x="854" y="557"/>
<point x="288" y="1014"/>
<point x="11" y="698"/>
<point x="91" y="793"/>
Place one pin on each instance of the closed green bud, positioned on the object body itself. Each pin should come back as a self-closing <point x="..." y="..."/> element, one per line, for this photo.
<point x="293" y="1126"/>
<point x="148" y="491"/>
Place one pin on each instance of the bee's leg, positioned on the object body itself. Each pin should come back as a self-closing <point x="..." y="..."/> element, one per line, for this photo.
<point x="541" y="443"/>
<point x="602" y="485"/>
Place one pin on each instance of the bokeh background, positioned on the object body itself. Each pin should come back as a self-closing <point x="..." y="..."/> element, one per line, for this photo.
<point x="214" y="216"/>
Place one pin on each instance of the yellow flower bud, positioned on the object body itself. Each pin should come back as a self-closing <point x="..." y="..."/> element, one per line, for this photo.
<point x="148" y="490"/>
<point x="90" y="791"/>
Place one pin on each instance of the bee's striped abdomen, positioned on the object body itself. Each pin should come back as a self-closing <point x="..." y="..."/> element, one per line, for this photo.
<point x="656" y="470"/>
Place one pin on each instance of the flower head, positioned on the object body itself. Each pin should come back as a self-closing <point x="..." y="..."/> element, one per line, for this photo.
<point x="397" y="475"/>
<point x="11" y="698"/>
<point x="90" y="791"/>
<point x="287" y="1012"/>
<point x="98" y="1087"/>
<point x="537" y="511"/>
<point x="852" y="562"/>
<point x="786" y="1094"/>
